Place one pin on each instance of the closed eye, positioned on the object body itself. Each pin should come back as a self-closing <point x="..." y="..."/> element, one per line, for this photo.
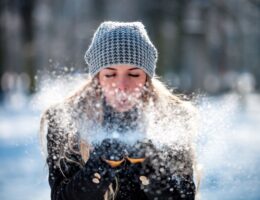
<point x="110" y="75"/>
<point x="134" y="75"/>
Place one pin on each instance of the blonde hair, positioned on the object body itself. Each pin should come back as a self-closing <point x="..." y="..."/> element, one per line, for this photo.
<point x="90" y="94"/>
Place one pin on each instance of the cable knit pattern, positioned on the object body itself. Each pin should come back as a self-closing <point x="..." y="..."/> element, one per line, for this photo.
<point x="121" y="43"/>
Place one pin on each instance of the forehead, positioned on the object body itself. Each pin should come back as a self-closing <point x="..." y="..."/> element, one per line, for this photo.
<point x="122" y="67"/>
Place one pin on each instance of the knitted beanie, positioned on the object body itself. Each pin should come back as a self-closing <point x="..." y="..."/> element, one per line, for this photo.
<point x="121" y="43"/>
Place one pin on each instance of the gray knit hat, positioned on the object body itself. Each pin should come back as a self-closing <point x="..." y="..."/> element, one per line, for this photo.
<point x="121" y="43"/>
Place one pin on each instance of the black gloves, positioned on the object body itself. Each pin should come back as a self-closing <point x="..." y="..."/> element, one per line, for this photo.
<point x="102" y="163"/>
<point x="137" y="168"/>
<point x="115" y="158"/>
<point x="141" y="168"/>
<point x="170" y="174"/>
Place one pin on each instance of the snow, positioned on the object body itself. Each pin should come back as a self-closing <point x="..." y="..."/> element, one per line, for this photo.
<point x="228" y="151"/>
<point x="22" y="172"/>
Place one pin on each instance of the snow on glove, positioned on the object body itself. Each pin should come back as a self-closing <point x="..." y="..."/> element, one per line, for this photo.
<point x="166" y="178"/>
<point x="93" y="180"/>
<point x="136" y="169"/>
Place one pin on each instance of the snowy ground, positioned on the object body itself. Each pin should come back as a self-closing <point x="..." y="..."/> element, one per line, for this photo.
<point x="22" y="172"/>
<point x="228" y="150"/>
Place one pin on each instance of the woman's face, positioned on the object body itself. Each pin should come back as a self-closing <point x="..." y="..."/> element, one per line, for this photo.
<point x="122" y="85"/>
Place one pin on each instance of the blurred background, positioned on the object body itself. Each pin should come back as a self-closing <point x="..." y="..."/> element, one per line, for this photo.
<point x="207" y="48"/>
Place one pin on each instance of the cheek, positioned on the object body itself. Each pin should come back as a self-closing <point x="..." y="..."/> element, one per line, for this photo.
<point x="108" y="88"/>
<point x="137" y="92"/>
<point x="137" y="86"/>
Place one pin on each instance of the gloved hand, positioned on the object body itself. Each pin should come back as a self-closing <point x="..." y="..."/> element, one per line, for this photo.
<point x="96" y="175"/>
<point x="164" y="164"/>
<point x="146" y="166"/>
<point x="137" y="169"/>
<point x="113" y="152"/>
<point x="99" y="163"/>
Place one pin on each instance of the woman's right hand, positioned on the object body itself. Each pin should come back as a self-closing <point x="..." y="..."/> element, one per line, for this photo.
<point x="100" y="162"/>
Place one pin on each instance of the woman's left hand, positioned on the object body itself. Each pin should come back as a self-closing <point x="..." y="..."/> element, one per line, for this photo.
<point x="136" y="168"/>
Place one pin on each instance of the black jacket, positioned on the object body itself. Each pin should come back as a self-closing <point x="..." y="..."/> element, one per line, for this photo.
<point x="72" y="179"/>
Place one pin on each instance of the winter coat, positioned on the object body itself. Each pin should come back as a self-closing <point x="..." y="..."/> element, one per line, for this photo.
<point x="69" y="180"/>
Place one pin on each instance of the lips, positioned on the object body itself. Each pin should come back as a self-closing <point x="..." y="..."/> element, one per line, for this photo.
<point x="122" y="101"/>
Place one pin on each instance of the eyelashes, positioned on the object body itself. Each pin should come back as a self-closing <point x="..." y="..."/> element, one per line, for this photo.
<point x="108" y="76"/>
<point x="113" y="75"/>
<point x="134" y="75"/>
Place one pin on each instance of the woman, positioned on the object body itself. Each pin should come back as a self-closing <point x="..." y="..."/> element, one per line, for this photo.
<point x="106" y="140"/>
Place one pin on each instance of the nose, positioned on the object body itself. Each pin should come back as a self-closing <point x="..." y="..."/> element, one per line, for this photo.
<point x="122" y="84"/>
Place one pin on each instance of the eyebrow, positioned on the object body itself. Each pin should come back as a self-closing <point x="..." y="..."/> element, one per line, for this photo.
<point x="115" y="69"/>
<point x="110" y="68"/>
<point x="134" y="68"/>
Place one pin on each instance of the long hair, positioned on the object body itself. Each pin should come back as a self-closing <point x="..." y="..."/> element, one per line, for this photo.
<point x="87" y="101"/>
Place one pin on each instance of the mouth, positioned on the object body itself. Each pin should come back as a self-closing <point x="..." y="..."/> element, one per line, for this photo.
<point x="123" y="102"/>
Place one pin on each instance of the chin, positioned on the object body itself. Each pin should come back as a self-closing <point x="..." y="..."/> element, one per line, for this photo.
<point x="121" y="108"/>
